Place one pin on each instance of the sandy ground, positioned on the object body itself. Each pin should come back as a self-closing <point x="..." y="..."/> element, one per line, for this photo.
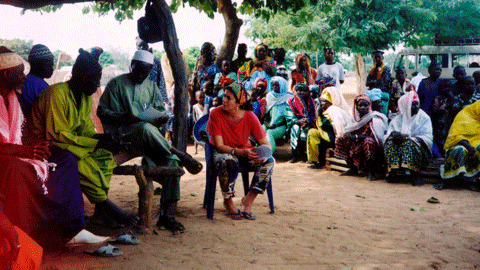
<point x="322" y="221"/>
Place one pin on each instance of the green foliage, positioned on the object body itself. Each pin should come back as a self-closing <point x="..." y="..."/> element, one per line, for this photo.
<point x="106" y="59"/>
<point x="349" y="26"/>
<point x="20" y="46"/>
<point x="191" y="55"/>
<point x="456" y="19"/>
<point x="120" y="58"/>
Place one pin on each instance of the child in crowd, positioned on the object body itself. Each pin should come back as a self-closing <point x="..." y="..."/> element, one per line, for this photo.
<point x="217" y="101"/>
<point x="226" y="77"/>
<point x="441" y="121"/>
<point x="400" y="86"/>
<point x="208" y="91"/>
<point x="199" y="110"/>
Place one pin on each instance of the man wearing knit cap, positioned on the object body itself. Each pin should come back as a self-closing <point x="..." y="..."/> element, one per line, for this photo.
<point x="41" y="67"/>
<point x="123" y="103"/>
<point x="61" y="114"/>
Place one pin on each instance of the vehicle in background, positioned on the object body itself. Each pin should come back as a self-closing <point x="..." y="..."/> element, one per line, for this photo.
<point x="418" y="59"/>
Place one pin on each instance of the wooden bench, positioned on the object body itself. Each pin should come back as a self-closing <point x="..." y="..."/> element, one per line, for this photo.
<point x="430" y="172"/>
<point x="144" y="175"/>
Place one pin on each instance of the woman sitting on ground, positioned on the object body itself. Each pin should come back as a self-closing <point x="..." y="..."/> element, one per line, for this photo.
<point x="230" y="127"/>
<point x="275" y="118"/>
<point x="462" y="147"/>
<point x="409" y="139"/>
<point x="40" y="182"/>
<point x="330" y="123"/>
<point x="362" y="144"/>
<point x="303" y="118"/>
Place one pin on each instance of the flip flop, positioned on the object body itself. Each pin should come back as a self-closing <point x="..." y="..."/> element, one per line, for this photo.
<point x="248" y="215"/>
<point x="106" y="251"/>
<point x="235" y="216"/>
<point x="126" y="239"/>
<point x="433" y="200"/>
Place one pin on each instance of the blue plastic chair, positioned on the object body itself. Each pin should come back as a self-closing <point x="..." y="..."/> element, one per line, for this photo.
<point x="211" y="174"/>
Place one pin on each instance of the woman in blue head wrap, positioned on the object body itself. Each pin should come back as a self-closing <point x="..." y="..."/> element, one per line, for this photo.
<point x="274" y="119"/>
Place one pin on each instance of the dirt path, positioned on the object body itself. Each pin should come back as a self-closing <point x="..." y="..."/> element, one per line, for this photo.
<point x="322" y="221"/>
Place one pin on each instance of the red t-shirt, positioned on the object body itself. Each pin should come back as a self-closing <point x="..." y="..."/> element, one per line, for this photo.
<point x="234" y="135"/>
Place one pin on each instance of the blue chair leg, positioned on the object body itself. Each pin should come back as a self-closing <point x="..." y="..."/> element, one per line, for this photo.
<point x="270" y="197"/>
<point x="210" y="184"/>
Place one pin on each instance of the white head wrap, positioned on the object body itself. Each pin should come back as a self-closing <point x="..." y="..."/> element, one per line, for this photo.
<point x="9" y="60"/>
<point x="144" y="56"/>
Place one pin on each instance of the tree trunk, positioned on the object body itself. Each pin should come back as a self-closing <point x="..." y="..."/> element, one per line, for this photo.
<point x="232" y="31"/>
<point x="170" y="43"/>
<point x="360" y="73"/>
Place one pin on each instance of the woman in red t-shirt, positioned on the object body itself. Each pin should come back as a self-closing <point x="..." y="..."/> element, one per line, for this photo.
<point x="230" y="127"/>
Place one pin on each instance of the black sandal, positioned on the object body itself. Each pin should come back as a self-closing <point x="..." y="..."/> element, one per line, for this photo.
<point x="169" y="223"/>
<point x="192" y="165"/>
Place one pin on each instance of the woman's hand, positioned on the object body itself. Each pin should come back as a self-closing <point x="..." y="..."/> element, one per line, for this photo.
<point x="468" y="146"/>
<point x="397" y="137"/>
<point x="249" y="154"/>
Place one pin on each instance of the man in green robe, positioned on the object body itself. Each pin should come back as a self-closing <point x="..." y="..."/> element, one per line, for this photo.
<point x="61" y="114"/>
<point x="124" y="100"/>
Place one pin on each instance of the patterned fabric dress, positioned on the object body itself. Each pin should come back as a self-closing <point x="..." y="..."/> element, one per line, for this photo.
<point x="367" y="148"/>
<point x="414" y="151"/>
<point x="301" y="109"/>
<point x="458" y="162"/>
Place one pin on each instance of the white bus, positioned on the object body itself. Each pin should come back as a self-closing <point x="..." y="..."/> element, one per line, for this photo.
<point x="418" y="59"/>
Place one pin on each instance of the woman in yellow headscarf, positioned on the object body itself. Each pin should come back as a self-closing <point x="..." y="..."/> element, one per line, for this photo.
<point x="331" y="123"/>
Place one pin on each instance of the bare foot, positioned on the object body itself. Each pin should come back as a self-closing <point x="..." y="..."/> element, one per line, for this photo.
<point x="248" y="200"/>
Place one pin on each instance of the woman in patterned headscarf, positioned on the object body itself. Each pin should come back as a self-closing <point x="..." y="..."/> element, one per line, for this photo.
<point x="303" y="73"/>
<point x="303" y="118"/>
<point x="261" y="66"/>
<point x="361" y="146"/>
<point x="409" y="139"/>
<point x="230" y="127"/>
<point x="259" y="97"/>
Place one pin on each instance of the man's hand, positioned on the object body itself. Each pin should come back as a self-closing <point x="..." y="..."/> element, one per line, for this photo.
<point x="111" y="143"/>
<point x="129" y="119"/>
<point x="160" y="121"/>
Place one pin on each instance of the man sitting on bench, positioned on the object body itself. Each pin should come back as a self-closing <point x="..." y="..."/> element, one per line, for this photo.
<point x="127" y="100"/>
<point x="61" y="114"/>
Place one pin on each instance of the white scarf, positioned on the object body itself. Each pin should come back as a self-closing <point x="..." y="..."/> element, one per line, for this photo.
<point x="418" y="127"/>
<point x="11" y="121"/>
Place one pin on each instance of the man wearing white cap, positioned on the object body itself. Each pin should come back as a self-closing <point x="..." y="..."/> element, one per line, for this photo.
<point x="125" y="99"/>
